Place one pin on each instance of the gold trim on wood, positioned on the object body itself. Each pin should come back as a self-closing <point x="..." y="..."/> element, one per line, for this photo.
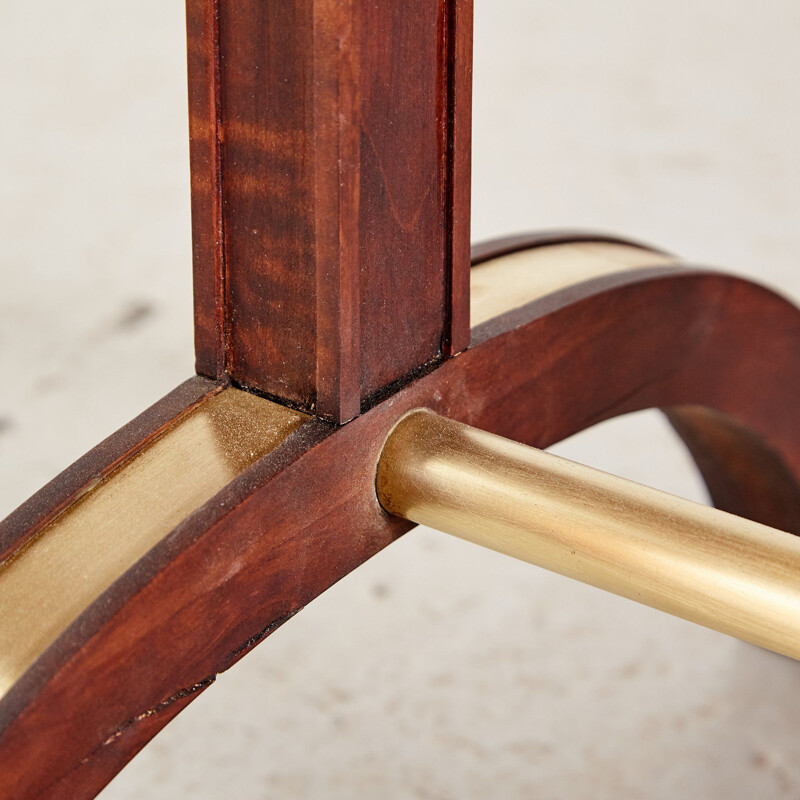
<point x="510" y="281"/>
<point x="48" y="583"/>
<point x="695" y="562"/>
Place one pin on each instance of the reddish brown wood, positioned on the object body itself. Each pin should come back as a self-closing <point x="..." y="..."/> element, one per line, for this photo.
<point x="307" y="514"/>
<point x="330" y="174"/>
<point x="458" y="196"/>
<point x="730" y="456"/>
<point x="205" y="138"/>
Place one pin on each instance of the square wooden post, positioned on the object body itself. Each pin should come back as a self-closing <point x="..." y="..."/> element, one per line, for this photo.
<point x="330" y="155"/>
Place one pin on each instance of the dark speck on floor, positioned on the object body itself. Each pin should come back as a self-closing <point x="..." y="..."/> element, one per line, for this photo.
<point x="134" y="315"/>
<point x="380" y="590"/>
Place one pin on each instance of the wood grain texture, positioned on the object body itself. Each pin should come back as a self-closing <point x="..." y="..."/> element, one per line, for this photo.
<point x="459" y="179"/>
<point x="205" y="134"/>
<point x="330" y="164"/>
<point x="306" y="514"/>
<point x="729" y="456"/>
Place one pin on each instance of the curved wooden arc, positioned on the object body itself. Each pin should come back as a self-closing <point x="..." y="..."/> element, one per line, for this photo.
<point x="288" y="527"/>
<point x="517" y="242"/>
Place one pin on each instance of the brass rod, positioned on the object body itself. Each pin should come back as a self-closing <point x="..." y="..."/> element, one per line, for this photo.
<point x="707" y="566"/>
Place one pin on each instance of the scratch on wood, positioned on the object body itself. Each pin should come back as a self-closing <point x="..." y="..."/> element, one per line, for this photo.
<point x="254" y="640"/>
<point x="156" y="709"/>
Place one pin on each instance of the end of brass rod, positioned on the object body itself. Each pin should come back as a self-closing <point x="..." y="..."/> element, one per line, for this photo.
<point x="716" y="569"/>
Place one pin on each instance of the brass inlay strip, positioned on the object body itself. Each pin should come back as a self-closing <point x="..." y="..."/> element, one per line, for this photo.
<point x="49" y="582"/>
<point x="695" y="562"/>
<point x="512" y="280"/>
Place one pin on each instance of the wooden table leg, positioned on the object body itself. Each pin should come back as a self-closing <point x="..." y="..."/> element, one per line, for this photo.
<point x="330" y="147"/>
<point x="638" y="330"/>
<point x="330" y="159"/>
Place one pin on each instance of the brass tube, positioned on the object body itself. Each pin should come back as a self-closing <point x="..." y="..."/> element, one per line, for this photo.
<point x="707" y="566"/>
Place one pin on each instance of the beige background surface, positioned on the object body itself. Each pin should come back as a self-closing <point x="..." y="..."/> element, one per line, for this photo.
<point x="435" y="671"/>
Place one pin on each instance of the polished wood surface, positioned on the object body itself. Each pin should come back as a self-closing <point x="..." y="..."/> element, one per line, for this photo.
<point x="305" y="514"/>
<point x="330" y="147"/>
<point x="330" y="181"/>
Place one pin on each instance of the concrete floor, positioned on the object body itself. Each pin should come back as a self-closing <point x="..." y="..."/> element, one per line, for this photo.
<point x="436" y="670"/>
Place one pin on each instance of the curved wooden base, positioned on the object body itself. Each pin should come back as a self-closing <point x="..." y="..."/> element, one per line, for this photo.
<point x="306" y="513"/>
